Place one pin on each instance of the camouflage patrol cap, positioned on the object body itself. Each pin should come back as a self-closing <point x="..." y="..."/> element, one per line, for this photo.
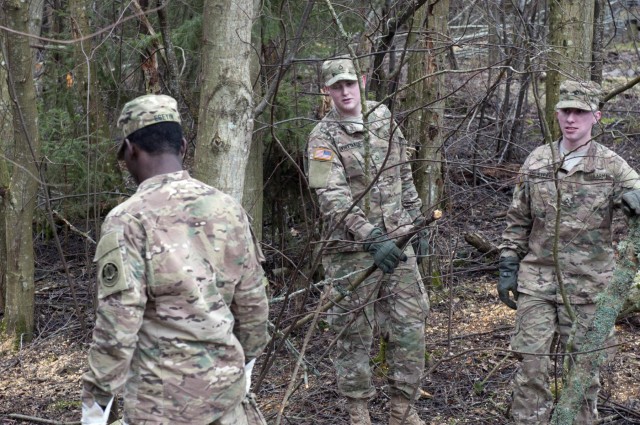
<point x="334" y="70"/>
<point x="583" y="95"/>
<point x="146" y="110"/>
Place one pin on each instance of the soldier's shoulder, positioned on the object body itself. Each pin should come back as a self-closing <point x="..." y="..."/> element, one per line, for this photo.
<point x="121" y="217"/>
<point x="540" y="155"/>
<point x="324" y="129"/>
<point x="128" y="207"/>
<point x="605" y="152"/>
<point x="542" y="150"/>
<point x="377" y="109"/>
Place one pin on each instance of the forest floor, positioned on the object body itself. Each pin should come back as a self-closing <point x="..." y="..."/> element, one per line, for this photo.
<point x="467" y="335"/>
<point x="467" y="379"/>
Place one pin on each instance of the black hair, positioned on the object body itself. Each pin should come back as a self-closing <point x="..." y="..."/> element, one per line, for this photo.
<point x="163" y="137"/>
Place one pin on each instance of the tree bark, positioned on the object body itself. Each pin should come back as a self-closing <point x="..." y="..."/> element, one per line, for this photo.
<point x="225" y="121"/>
<point x="6" y="137"/>
<point x="570" y="42"/>
<point x="608" y="305"/>
<point x="598" y="41"/>
<point x="253" y="194"/>
<point x="427" y="98"/>
<point x="23" y="187"/>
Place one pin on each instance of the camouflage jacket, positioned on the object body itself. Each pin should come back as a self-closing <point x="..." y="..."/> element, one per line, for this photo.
<point x="181" y="304"/>
<point x="588" y="194"/>
<point x="335" y="168"/>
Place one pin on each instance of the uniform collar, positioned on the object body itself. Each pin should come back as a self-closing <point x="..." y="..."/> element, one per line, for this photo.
<point x="588" y="163"/>
<point x="350" y="125"/>
<point x="162" y="179"/>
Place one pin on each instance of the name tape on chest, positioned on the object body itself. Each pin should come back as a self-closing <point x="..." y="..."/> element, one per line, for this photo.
<point x="349" y="146"/>
<point x="598" y="175"/>
<point x="322" y="154"/>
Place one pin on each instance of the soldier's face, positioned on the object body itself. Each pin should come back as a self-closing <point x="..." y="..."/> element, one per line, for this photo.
<point x="576" y="124"/>
<point x="346" y="97"/>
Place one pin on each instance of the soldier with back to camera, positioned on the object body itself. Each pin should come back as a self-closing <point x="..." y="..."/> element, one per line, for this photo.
<point x="182" y="309"/>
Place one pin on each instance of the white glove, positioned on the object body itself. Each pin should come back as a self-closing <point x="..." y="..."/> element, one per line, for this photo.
<point x="248" y="368"/>
<point x="94" y="415"/>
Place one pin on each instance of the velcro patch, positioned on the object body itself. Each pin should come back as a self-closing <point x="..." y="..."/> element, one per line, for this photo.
<point x="111" y="276"/>
<point x="322" y="154"/>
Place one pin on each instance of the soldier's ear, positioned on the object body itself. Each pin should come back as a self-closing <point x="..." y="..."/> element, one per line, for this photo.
<point x="183" y="148"/>
<point x="597" y="115"/>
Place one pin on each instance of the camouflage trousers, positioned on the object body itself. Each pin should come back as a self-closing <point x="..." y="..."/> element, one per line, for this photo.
<point x="244" y="413"/>
<point x="394" y="304"/>
<point x="537" y="320"/>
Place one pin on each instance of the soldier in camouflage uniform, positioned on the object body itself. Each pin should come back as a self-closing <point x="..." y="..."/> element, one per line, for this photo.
<point x="591" y="180"/>
<point x="393" y="296"/>
<point x="181" y="293"/>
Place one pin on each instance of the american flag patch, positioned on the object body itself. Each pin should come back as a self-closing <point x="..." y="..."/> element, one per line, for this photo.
<point x="322" y="154"/>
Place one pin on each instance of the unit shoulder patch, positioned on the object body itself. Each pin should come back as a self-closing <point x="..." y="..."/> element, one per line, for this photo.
<point x="111" y="276"/>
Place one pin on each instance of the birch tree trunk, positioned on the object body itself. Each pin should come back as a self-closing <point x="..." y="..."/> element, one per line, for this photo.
<point x="225" y="121"/>
<point x="20" y="198"/>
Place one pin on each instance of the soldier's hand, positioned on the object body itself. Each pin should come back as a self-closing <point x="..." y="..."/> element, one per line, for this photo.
<point x="631" y="203"/>
<point x="508" y="281"/>
<point x="386" y="254"/>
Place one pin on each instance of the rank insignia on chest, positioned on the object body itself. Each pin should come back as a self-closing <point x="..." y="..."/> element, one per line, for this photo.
<point x="322" y="154"/>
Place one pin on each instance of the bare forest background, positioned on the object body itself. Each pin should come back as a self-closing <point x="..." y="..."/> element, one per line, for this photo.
<point x="471" y="83"/>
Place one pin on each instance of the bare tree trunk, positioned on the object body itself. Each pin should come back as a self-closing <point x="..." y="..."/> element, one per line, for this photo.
<point x="430" y="95"/>
<point x="608" y="306"/>
<point x="425" y="124"/>
<point x="598" y="41"/>
<point x="570" y="42"/>
<point x="20" y="198"/>
<point x="225" y="121"/>
<point x="6" y="137"/>
<point x="253" y="196"/>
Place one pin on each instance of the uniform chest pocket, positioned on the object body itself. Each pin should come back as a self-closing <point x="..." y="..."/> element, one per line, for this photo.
<point x="543" y="194"/>
<point x="592" y="202"/>
<point x="353" y="163"/>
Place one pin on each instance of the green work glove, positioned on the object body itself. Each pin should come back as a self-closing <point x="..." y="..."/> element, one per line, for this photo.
<point x="420" y="245"/>
<point x="508" y="280"/>
<point x="631" y="203"/>
<point x="386" y="254"/>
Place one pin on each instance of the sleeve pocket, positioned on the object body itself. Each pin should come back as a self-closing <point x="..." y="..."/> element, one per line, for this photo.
<point x="111" y="271"/>
<point x="319" y="172"/>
